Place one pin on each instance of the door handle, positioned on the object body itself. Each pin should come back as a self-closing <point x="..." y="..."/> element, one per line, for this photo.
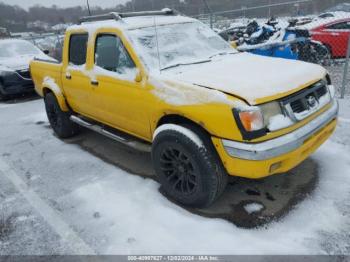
<point x="94" y="82"/>
<point x="68" y="76"/>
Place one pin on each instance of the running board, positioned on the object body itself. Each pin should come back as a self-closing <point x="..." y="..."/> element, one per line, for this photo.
<point x="138" y="145"/>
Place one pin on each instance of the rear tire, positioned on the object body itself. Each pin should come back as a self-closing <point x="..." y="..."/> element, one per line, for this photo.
<point x="59" y="120"/>
<point x="189" y="171"/>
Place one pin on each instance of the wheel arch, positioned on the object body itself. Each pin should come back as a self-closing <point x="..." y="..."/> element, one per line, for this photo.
<point x="59" y="96"/>
<point x="197" y="128"/>
<point x="183" y="121"/>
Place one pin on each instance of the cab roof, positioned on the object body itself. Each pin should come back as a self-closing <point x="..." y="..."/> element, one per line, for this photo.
<point x="129" y="21"/>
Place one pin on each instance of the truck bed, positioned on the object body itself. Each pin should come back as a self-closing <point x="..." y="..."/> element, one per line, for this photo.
<point x="45" y="73"/>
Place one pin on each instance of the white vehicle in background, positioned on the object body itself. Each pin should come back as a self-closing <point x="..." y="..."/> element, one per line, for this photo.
<point x="15" y="56"/>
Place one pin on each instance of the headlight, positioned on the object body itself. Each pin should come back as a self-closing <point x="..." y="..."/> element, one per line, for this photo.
<point x="252" y="120"/>
<point x="256" y="121"/>
<point x="331" y="90"/>
<point x="270" y="110"/>
<point x="6" y="73"/>
<point x="327" y="81"/>
<point x="8" y="76"/>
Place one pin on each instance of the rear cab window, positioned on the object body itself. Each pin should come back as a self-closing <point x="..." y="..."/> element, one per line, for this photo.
<point x="78" y="49"/>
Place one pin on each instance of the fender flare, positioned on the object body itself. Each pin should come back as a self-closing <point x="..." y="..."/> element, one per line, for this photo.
<point x="59" y="96"/>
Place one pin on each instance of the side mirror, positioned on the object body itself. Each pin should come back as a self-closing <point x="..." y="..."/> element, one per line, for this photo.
<point x="138" y="76"/>
<point x="46" y="52"/>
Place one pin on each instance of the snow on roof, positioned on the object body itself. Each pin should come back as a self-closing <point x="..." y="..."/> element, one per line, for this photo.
<point x="148" y="21"/>
<point x="134" y="22"/>
<point x="338" y="16"/>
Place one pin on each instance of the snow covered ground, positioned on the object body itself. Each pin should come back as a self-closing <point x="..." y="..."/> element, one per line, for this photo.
<point x="56" y="197"/>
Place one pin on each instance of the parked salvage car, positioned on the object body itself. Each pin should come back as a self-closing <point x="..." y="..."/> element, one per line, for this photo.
<point x="15" y="56"/>
<point x="270" y="40"/>
<point x="332" y="32"/>
<point x="204" y="110"/>
<point x="4" y="32"/>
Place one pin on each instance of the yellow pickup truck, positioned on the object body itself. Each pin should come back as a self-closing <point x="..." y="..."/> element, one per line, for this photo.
<point x="167" y="84"/>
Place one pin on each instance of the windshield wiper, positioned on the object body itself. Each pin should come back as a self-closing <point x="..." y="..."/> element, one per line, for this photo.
<point x="180" y="64"/>
<point x="223" y="53"/>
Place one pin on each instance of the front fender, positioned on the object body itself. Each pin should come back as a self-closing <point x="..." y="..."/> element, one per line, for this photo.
<point x="216" y="118"/>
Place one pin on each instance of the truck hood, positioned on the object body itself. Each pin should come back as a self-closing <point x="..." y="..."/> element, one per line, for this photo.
<point x="253" y="78"/>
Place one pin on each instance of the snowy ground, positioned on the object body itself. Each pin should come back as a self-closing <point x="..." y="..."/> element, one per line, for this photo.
<point x="337" y="72"/>
<point x="58" y="197"/>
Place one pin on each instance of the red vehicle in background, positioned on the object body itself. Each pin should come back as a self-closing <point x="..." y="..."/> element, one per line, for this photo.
<point x="333" y="33"/>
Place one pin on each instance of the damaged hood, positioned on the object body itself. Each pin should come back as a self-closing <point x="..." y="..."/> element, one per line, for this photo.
<point x="256" y="79"/>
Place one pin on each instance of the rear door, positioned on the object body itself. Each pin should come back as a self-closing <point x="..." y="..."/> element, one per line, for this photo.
<point x="75" y="81"/>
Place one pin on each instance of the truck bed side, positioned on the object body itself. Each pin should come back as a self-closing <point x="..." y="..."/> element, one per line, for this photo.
<point x="46" y="74"/>
<point x="47" y="77"/>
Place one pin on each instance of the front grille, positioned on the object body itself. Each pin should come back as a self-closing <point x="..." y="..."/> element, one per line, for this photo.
<point x="304" y="103"/>
<point x="24" y="74"/>
<point x="298" y="106"/>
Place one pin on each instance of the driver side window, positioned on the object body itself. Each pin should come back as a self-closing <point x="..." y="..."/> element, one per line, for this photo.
<point x="340" y="26"/>
<point x="111" y="55"/>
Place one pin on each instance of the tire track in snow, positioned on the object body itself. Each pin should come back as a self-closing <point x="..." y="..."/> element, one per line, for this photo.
<point x="69" y="237"/>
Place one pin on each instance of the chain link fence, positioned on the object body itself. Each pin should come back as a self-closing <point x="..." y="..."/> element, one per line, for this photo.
<point x="345" y="84"/>
<point x="52" y="43"/>
<point x="285" y="30"/>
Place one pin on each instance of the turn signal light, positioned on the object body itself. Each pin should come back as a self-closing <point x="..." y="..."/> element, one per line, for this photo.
<point x="252" y="120"/>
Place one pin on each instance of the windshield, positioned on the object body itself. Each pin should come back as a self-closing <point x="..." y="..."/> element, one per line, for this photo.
<point x="12" y="49"/>
<point x="178" y="44"/>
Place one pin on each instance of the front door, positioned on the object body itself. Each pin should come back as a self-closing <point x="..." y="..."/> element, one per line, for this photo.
<point x="116" y="95"/>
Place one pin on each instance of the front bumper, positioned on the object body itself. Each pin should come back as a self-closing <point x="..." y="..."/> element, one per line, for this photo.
<point x="257" y="160"/>
<point x="18" y="87"/>
<point x="16" y="82"/>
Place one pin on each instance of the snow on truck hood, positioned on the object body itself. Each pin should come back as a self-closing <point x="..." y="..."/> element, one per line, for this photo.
<point x="252" y="77"/>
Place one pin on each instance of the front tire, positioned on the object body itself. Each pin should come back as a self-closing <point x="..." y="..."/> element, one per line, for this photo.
<point x="59" y="120"/>
<point x="189" y="170"/>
